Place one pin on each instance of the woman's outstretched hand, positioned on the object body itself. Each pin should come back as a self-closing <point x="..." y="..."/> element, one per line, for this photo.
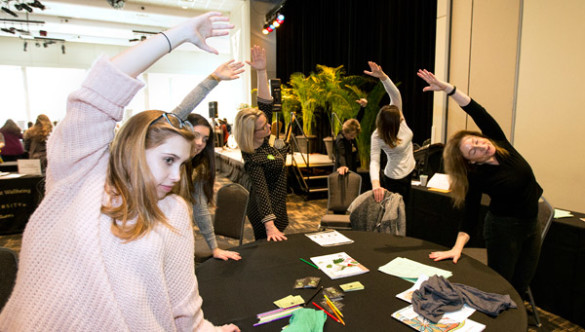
<point x="434" y="84"/>
<point x="211" y="24"/>
<point x="441" y="255"/>
<point x="229" y="71"/>
<point x="375" y="71"/>
<point x="257" y="58"/>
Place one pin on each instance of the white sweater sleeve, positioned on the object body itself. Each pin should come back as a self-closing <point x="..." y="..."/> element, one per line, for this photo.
<point x="393" y="93"/>
<point x="375" y="157"/>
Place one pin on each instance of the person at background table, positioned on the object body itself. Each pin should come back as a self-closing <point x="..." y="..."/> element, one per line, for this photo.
<point x="486" y="162"/>
<point x="393" y="136"/>
<point x="265" y="164"/>
<point x="346" y="148"/>
<point x="13" y="148"/>
<point x="202" y="166"/>
<point x="35" y="139"/>
<point x="110" y="248"/>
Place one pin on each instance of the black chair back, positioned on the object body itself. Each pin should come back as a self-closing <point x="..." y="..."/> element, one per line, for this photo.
<point x="230" y="212"/>
<point x="343" y="189"/>
<point x="8" y="269"/>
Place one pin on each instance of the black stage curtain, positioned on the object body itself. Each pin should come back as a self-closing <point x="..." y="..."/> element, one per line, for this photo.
<point x="399" y="35"/>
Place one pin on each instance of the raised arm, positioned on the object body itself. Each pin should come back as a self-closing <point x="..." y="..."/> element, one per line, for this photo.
<point x="488" y="125"/>
<point x="225" y="72"/>
<point x="137" y="59"/>
<point x="436" y="84"/>
<point x="258" y="62"/>
<point x="391" y="89"/>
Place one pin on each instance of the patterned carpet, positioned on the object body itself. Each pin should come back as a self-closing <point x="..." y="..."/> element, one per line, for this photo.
<point x="304" y="216"/>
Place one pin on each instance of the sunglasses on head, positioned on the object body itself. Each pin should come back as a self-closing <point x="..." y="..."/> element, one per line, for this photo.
<point x="175" y="121"/>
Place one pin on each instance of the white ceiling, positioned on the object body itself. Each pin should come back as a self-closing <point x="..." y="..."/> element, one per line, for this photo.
<point x="96" y="22"/>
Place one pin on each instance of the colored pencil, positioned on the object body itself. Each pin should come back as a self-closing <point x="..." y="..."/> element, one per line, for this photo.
<point x="327" y="312"/>
<point x="333" y="304"/>
<point x="312" y="297"/>
<point x="313" y="265"/>
<point x="334" y="309"/>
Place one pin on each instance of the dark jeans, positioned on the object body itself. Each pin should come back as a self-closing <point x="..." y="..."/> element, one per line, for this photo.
<point x="513" y="248"/>
<point x="400" y="186"/>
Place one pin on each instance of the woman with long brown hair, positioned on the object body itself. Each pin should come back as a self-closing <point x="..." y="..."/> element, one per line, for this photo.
<point x="487" y="162"/>
<point x="394" y="137"/>
<point x="35" y="139"/>
<point x="110" y="247"/>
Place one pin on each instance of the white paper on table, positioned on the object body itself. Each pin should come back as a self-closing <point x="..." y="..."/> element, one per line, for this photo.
<point x="439" y="181"/>
<point x="410" y="270"/>
<point x="29" y="166"/>
<point x="562" y="213"/>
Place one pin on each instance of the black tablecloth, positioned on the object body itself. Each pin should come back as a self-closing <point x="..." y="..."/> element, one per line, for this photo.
<point x="559" y="283"/>
<point x="235" y="291"/>
<point x="19" y="197"/>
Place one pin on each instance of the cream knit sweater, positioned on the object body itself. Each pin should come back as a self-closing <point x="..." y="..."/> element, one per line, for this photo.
<point x="74" y="274"/>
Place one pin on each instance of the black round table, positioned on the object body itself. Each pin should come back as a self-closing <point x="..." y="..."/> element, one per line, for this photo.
<point x="235" y="291"/>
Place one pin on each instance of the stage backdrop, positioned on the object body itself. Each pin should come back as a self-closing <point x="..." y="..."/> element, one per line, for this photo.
<point x="397" y="34"/>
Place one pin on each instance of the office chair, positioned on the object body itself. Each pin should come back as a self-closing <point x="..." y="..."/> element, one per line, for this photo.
<point x="230" y="215"/>
<point x="8" y="269"/>
<point x="544" y="219"/>
<point x="342" y="190"/>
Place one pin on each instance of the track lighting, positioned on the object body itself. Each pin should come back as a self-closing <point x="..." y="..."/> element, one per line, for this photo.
<point x="8" y="11"/>
<point x="274" y="19"/>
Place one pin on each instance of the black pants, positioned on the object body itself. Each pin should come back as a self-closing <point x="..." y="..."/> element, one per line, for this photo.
<point x="400" y="186"/>
<point x="513" y="248"/>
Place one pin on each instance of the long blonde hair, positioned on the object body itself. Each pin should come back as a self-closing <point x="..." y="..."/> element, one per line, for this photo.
<point x="41" y="129"/>
<point x="245" y="127"/>
<point x="457" y="166"/>
<point x="388" y="124"/>
<point x="130" y="183"/>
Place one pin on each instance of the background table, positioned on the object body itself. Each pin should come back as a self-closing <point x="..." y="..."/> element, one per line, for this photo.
<point x="235" y="291"/>
<point x="19" y="197"/>
<point x="559" y="283"/>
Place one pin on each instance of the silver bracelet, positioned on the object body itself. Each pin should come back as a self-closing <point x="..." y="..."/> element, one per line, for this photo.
<point x="168" y="41"/>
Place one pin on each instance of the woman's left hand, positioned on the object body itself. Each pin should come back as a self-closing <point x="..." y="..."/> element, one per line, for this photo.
<point x="272" y="233"/>
<point x="229" y="71"/>
<point x="257" y="58"/>
<point x="226" y="254"/>
<point x="212" y="24"/>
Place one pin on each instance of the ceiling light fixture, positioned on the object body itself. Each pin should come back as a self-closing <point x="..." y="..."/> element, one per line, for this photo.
<point x="274" y="19"/>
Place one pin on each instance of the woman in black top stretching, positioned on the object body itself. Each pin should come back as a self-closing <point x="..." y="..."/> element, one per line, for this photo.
<point x="487" y="162"/>
<point x="264" y="163"/>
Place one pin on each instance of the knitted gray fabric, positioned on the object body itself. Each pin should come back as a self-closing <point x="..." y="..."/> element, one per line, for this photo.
<point x="437" y="296"/>
<point x="387" y="216"/>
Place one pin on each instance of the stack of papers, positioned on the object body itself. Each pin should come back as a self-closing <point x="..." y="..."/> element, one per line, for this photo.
<point x="439" y="182"/>
<point x="339" y="265"/>
<point x="329" y="238"/>
<point x="410" y="270"/>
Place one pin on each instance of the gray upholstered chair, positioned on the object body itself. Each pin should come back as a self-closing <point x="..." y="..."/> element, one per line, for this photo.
<point x="230" y="215"/>
<point x="8" y="268"/>
<point x="545" y="217"/>
<point x="343" y="189"/>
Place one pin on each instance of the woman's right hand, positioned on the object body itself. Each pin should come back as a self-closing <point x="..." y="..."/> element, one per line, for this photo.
<point x="272" y="233"/>
<point x="434" y="83"/>
<point x="229" y="328"/>
<point x="229" y="71"/>
<point x="202" y="27"/>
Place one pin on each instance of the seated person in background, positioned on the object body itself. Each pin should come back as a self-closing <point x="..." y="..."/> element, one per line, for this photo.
<point x="110" y="247"/>
<point x="13" y="148"/>
<point x="346" y="149"/>
<point x="35" y="139"/>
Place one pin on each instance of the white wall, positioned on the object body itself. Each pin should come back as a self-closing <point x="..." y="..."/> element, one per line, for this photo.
<point x="550" y="119"/>
<point x="186" y="61"/>
<point x="523" y="61"/>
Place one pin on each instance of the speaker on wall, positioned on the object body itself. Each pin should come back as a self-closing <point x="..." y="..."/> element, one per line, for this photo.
<point x="276" y="96"/>
<point x="213" y="109"/>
